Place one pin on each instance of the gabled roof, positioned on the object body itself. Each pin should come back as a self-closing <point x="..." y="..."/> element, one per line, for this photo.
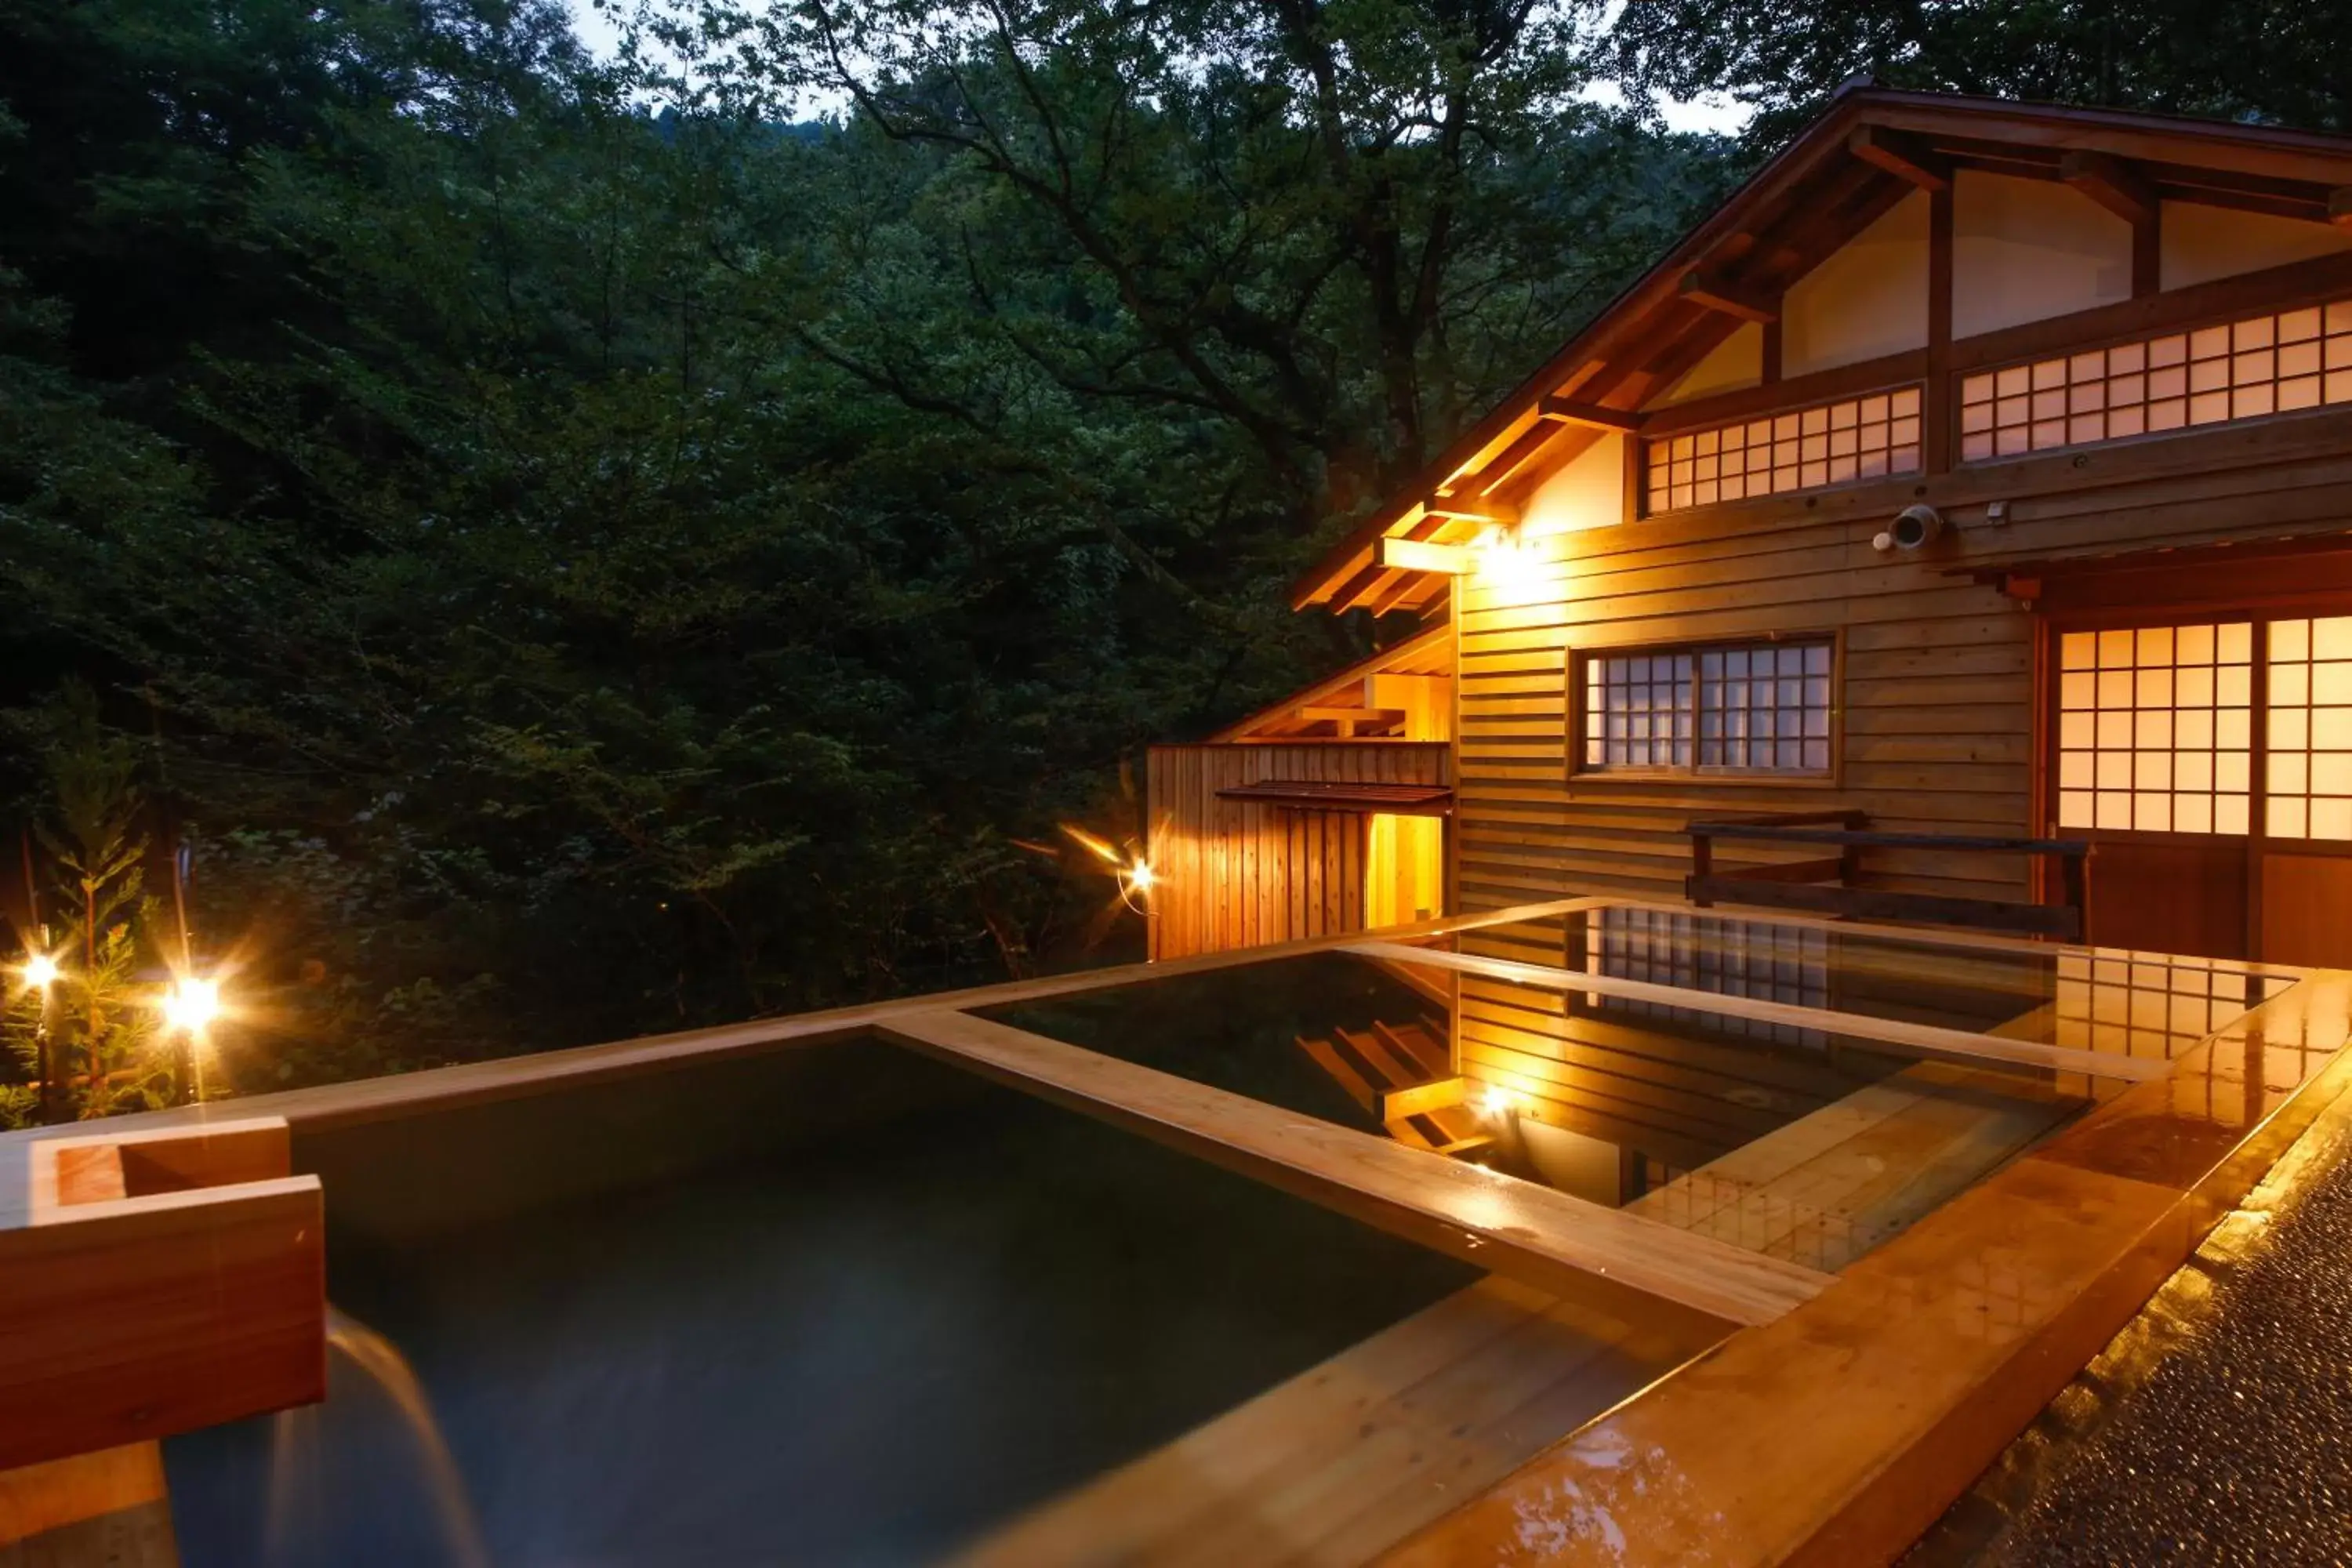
<point x="1873" y="147"/>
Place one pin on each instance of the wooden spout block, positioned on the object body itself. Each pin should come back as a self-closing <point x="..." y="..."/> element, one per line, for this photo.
<point x="157" y="1281"/>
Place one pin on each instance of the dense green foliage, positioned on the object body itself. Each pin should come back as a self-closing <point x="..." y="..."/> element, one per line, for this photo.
<point x="566" y="568"/>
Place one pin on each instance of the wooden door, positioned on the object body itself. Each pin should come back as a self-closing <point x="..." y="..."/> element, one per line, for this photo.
<point x="2210" y="759"/>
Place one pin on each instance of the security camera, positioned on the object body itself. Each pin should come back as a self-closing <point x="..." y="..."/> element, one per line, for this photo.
<point x="1913" y="526"/>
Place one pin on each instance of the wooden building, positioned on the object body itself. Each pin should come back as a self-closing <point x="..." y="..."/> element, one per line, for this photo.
<point x="1981" y="467"/>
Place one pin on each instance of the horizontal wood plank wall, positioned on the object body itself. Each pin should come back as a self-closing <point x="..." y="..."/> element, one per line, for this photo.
<point x="1937" y="690"/>
<point x="1231" y="874"/>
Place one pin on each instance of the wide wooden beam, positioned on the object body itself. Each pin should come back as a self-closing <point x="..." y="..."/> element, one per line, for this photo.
<point x="2112" y="183"/>
<point x="1891" y="1031"/>
<point x="1727" y="297"/>
<point x="1569" y="411"/>
<point x="1418" y="555"/>
<point x="1902" y="156"/>
<point x="1464" y="509"/>
<point x="1530" y="1232"/>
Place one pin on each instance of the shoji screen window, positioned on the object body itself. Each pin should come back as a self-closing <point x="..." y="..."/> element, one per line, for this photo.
<point x="2310" y="763"/>
<point x="2155" y="728"/>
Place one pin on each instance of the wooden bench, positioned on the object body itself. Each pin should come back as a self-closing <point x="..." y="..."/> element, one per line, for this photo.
<point x="1825" y="885"/>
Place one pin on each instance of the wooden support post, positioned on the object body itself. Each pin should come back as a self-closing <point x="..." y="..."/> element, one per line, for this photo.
<point x="2077" y="873"/>
<point x="2339" y="206"/>
<point x="1941" y="417"/>
<point x="1702" y="867"/>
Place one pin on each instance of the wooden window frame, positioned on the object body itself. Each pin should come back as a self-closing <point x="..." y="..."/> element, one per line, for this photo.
<point x="1650" y="503"/>
<point x="1580" y="772"/>
<point x="2257" y="839"/>
<point x="2073" y="381"/>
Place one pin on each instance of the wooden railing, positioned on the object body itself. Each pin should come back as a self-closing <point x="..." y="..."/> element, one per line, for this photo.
<point x="1826" y="885"/>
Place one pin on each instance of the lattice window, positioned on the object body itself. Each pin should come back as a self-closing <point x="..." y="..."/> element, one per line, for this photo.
<point x="2155" y="728"/>
<point x="2244" y="370"/>
<point x="1729" y="707"/>
<point x="2309" y="777"/>
<point x="1638" y="710"/>
<point x="1810" y="448"/>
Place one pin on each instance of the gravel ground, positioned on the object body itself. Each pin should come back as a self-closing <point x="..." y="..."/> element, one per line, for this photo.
<point x="2217" y="1426"/>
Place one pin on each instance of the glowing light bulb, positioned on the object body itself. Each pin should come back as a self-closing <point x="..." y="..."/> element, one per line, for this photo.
<point x="40" y="971"/>
<point x="1498" y="1101"/>
<point x="1139" y="876"/>
<point x="192" y="1004"/>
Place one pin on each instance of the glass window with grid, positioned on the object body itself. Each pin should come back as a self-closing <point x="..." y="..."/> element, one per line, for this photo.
<point x="2155" y="728"/>
<point x="2308" y="772"/>
<point x="1761" y="707"/>
<point x="1811" y="449"/>
<point x="2239" y="370"/>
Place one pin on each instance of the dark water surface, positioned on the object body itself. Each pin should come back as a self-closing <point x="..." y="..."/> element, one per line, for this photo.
<point x="843" y="1305"/>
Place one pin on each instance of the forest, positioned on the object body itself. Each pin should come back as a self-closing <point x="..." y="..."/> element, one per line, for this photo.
<point x="506" y="547"/>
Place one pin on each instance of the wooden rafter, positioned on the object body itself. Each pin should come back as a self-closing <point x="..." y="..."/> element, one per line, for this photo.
<point x="1559" y="443"/>
<point x="1904" y="157"/>
<point x="1569" y="411"/>
<point x="2112" y="183"/>
<point x="1717" y="292"/>
<point x="1469" y="508"/>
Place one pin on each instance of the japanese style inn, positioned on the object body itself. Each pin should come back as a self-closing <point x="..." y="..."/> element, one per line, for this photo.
<point x="1948" y="547"/>
<point x="1980" y="470"/>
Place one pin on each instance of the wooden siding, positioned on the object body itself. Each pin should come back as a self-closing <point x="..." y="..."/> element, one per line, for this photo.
<point x="1936" y="692"/>
<point x="1231" y="874"/>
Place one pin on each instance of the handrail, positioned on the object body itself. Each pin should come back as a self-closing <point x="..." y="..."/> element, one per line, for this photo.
<point x="1786" y="885"/>
<point x="1776" y="834"/>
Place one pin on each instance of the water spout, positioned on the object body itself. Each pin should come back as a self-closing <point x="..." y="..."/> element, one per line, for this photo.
<point x="382" y="1361"/>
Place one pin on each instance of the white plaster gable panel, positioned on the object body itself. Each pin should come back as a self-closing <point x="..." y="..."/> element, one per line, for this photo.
<point x="1733" y="364"/>
<point x="2026" y="251"/>
<point x="2201" y="243"/>
<point x="1867" y="300"/>
<point x="1588" y="491"/>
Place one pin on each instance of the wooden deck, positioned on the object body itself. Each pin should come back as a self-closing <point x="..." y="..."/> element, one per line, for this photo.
<point x="1589" y="1305"/>
<point x="1345" y="1460"/>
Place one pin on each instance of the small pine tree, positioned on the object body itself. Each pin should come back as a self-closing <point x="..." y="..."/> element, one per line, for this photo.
<point x="103" y="1032"/>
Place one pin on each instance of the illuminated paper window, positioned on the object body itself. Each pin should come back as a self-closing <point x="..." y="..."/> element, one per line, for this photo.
<point x="1811" y="449"/>
<point x="2155" y="728"/>
<point x="2241" y="370"/>
<point x="2309" y="779"/>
